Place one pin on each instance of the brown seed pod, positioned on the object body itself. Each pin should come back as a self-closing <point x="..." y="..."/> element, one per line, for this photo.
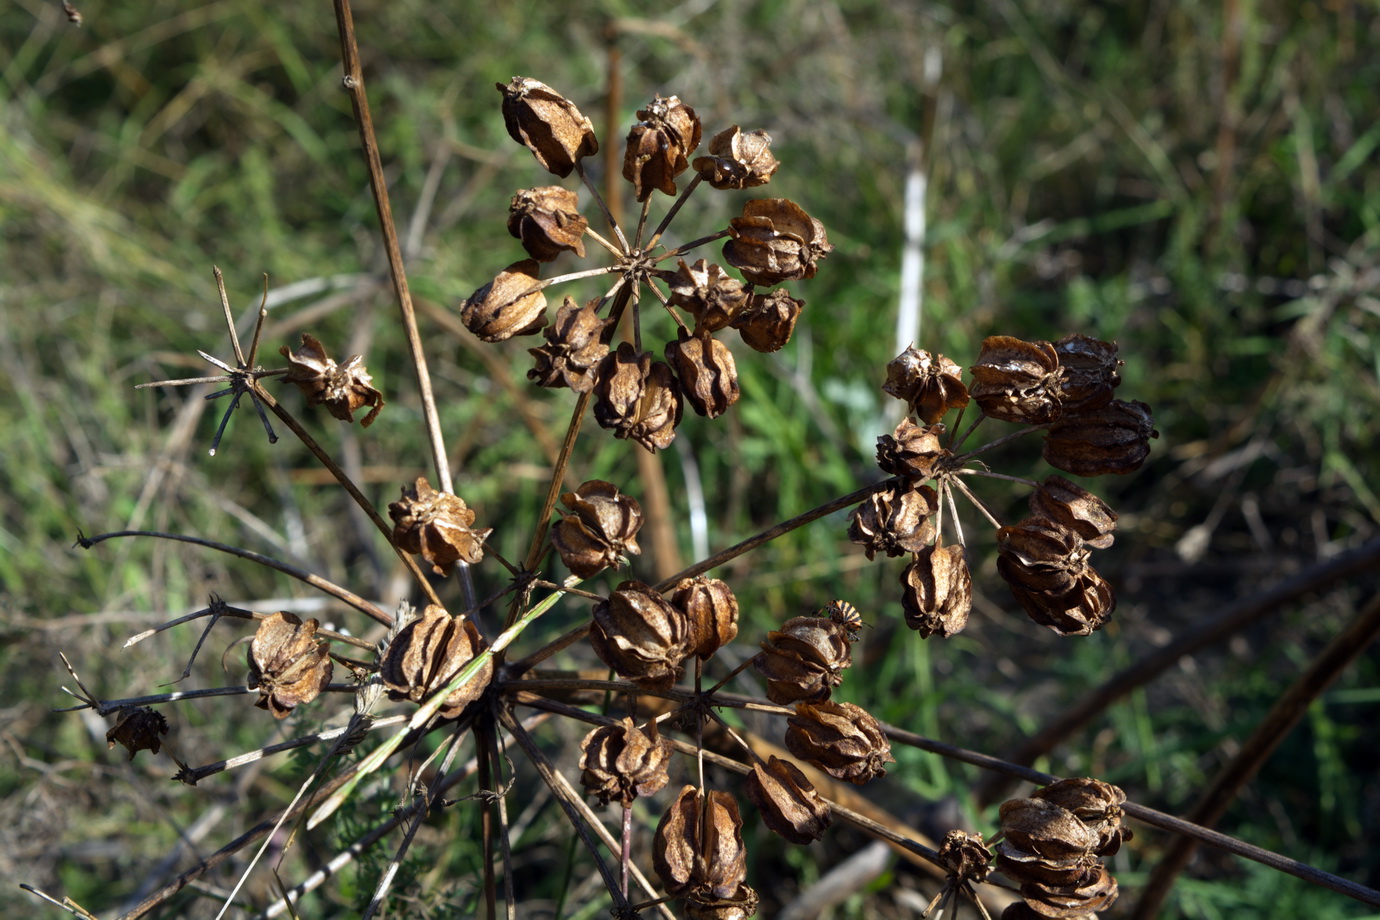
<point x="1096" y="804"/>
<point x="738" y="160"/>
<point x="1046" y="829"/>
<point x="511" y="304"/>
<point x="547" y="124"/>
<point x="895" y="521"/>
<point x="712" y="610"/>
<point x="1090" y="372"/>
<point x="788" y="801"/>
<point x="841" y="739"/>
<point x="547" y="220"/>
<point x="574" y="347"/>
<point x="1074" y="508"/>
<point x="1047" y="568"/>
<point x="287" y="664"/>
<point x="138" y="728"/>
<point x="621" y="762"/>
<point x="428" y="653"/>
<point x="641" y="636"/>
<point x="965" y="856"/>
<point x="669" y="130"/>
<point x="1112" y="439"/>
<point x="1017" y="381"/>
<point x="1097" y="893"/>
<point x="637" y="398"/>
<point x="938" y="592"/>
<point x="913" y="452"/>
<point x="774" y="241"/>
<point x="708" y="377"/>
<point x="714" y="298"/>
<point x="600" y="529"/>
<point x="930" y="384"/>
<point x="768" y="320"/>
<point x="804" y="659"/>
<point x="341" y="388"/>
<point x="436" y="525"/>
<point x="698" y="848"/>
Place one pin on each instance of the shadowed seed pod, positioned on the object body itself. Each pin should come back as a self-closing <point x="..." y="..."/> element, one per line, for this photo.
<point x="1017" y="381"/>
<point x="1097" y="893"/>
<point x="1090" y="372"/>
<point x="341" y="388"/>
<point x="601" y="528"/>
<point x="698" y="849"/>
<point x="288" y="665"/>
<point x="768" y="320"/>
<point x="894" y="521"/>
<point x="1096" y="804"/>
<point x="1074" y="508"/>
<point x="547" y="220"/>
<point x="710" y="295"/>
<point x="138" y="728"/>
<point x="708" y="377"/>
<point x="841" y="739"/>
<point x="428" y="653"/>
<point x="804" y="659"/>
<point x="775" y="241"/>
<point x="1047" y="569"/>
<point x="658" y="145"/>
<point x="1019" y="910"/>
<point x="788" y="801"/>
<point x="1112" y="439"/>
<point x="738" y="159"/>
<point x="574" y="347"/>
<point x="965" y="856"/>
<point x="912" y="451"/>
<point x="938" y="591"/>
<point x="641" y="636"/>
<point x="930" y="384"/>
<point x="712" y="610"/>
<point x="1029" y="868"/>
<point x="1046" y="829"/>
<point x="436" y="525"/>
<point x="621" y="762"/>
<point x="547" y="124"/>
<point x="637" y="398"/>
<point x="511" y="304"/>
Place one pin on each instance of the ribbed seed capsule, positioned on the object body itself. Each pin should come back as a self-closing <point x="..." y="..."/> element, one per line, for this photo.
<point x="288" y="665"/>
<point x="804" y="659"/>
<point x="428" y="653"/>
<point x="547" y="124"/>
<point x="775" y="241"/>
<point x="712" y="610"/>
<point x="1112" y="439"/>
<point x="574" y="347"/>
<point x="768" y="320"/>
<point x="698" y="848"/>
<point x="708" y="377"/>
<point x="641" y="636"/>
<point x="930" y="384"/>
<point x="621" y="762"/>
<point x="788" y="801"/>
<point x="1047" y="569"/>
<point x="511" y="304"/>
<point x="637" y="398"/>
<point x="841" y="739"/>
<point x="1090" y="372"/>
<point x="738" y="159"/>
<point x="138" y="728"/>
<point x="438" y="526"/>
<point x="1074" y="508"/>
<point x="938" y="592"/>
<point x="547" y="220"/>
<point x="912" y="451"/>
<point x="714" y="298"/>
<point x="1017" y="381"/>
<point x="600" y="529"/>
<point x="341" y="388"/>
<point x="895" y="521"/>
<point x="658" y="145"/>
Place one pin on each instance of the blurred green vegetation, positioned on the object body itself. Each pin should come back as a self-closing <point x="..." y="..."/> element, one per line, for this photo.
<point x="1195" y="181"/>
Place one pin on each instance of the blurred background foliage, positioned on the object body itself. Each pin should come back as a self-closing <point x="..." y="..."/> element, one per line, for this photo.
<point x="1194" y="181"/>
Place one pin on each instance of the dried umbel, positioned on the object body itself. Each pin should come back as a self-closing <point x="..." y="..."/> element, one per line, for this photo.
<point x="621" y="762"/>
<point x="138" y="728"/>
<point x="698" y="850"/>
<point x="930" y="384"/>
<point x="641" y="636"/>
<point x="965" y="856"/>
<point x="637" y="398"/>
<point x="738" y="159"/>
<point x="574" y="347"/>
<point x="341" y="388"/>
<point x="841" y="739"/>
<point x="428" y="653"/>
<point x="288" y="665"/>
<point x="1090" y="372"/>
<point x="511" y="304"/>
<point x="804" y="659"/>
<point x="1017" y="381"/>
<point x="895" y="521"/>
<point x="912" y="451"/>
<point x="669" y="130"/>
<point x="775" y="241"/>
<point x="548" y="221"/>
<point x="438" y="526"/>
<point x="788" y="801"/>
<point x="708" y="377"/>
<point x="1074" y="508"/>
<point x="768" y="320"/>
<point x="714" y="298"/>
<point x="1047" y="569"/>
<point x="1112" y="439"/>
<point x="712" y="610"/>
<point x="938" y="591"/>
<point x="548" y="124"/>
<point x="600" y="529"/>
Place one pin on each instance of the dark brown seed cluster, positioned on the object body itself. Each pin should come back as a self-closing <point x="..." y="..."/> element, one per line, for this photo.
<point x="341" y="388"/>
<point x="841" y="739"/>
<point x="288" y="665"/>
<point x="428" y="653"/>
<point x="638" y="396"/>
<point x="1054" y="843"/>
<point x="138" y="728"/>
<point x="787" y="801"/>
<point x="804" y="659"/>
<point x="621" y="762"/>
<point x="642" y="636"/>
<point x="600" y="529"/>
<point x="699" y="855"/>
<point x="438" y="526"/>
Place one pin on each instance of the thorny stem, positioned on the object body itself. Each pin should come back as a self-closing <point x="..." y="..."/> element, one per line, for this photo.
<point x="367" y="506"/>
<point x="316" y="581"/>
<point x="354" y="84"/>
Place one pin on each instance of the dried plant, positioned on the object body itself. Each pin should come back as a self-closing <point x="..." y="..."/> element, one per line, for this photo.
<point x="665" y="642"/>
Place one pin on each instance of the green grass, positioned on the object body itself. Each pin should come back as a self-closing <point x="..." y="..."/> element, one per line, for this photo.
<point x="1075" y="184"/>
